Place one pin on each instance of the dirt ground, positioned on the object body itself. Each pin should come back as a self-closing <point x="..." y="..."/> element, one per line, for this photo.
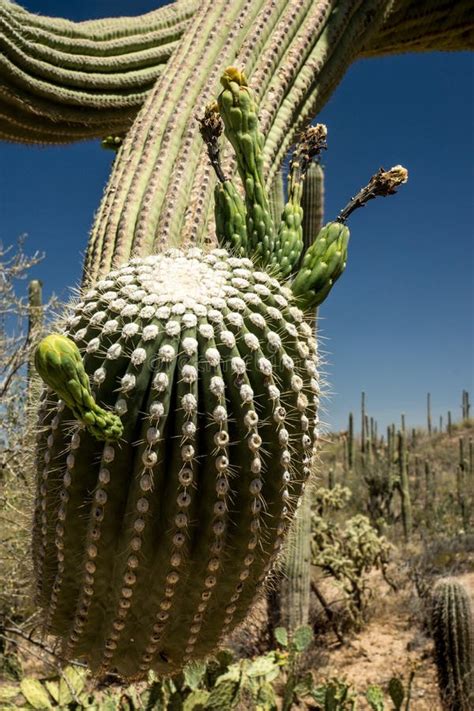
<point x="391" y="644"/>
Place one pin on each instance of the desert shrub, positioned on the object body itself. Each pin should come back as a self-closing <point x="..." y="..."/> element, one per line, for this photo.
<point x="347" y="551"/>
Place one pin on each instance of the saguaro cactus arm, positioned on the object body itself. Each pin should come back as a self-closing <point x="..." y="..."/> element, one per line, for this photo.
<point x="239" y="113"/>
<point x="59" y="363"/>
<point x="51" y="69"/>
<point x="289" y="242"/>
<point x="61" y="81"/>
<point x="326" y="259"/>
<point x="229" y="210"/>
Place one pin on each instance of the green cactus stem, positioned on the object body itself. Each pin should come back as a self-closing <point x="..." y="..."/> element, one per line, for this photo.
<point x="404" y="486"/>
<point x="59" y="363"/>
<point x="239" y="114"/>
<point x="312" y="202"/>
<point x="277" y="197"/>
<point x="465" y="405"/>
<point x="350" y="442"/>
<point x="289" y="242"/>
<point x="326" y="259"/>
<point x="229" y="211"/>
<point x="453" y="633"/>
<point x="363" y="431"/>
<point x="295" y="584"/>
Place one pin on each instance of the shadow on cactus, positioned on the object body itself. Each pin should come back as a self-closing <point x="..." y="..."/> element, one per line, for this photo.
<point x="199" y="370"/>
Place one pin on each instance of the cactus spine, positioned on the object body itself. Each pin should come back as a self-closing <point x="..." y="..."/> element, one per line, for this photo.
<point x="453" y="633"/>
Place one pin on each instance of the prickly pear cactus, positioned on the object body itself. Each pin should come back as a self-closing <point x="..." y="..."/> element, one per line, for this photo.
<point x="179" y="425"/>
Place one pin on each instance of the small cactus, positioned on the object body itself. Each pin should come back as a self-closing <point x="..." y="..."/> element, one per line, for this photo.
<point x="453" y="633"/>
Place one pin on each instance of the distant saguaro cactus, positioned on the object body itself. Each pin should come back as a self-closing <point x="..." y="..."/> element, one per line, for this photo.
<point x="294" y="594"/>
<point x="453" y="633"/>
<point x="404" y="486"/>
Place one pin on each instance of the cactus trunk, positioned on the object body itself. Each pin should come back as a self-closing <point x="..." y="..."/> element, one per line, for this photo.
<point x="453" y="632"/>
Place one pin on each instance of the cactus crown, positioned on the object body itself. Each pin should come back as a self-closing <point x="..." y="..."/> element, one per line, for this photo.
<point x="199" y="371"/>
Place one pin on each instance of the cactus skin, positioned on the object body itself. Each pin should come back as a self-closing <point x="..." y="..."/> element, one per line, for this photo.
<point x="453" y="632"/>
<point x="239" y="113"/>
<point x="322" y="265"/>
<point x="151" y="548"/>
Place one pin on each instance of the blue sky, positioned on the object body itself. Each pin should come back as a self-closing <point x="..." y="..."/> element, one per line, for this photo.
<point x="399" y="323"/>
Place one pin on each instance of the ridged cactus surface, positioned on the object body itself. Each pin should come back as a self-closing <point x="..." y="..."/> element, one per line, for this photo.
<point x="150" y="547"/>
<point x="453" y="632"/>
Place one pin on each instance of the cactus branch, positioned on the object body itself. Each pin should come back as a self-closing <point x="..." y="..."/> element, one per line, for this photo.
<point x="62" y="81"/>
<point x="289" y="238"/>
<point x="326" y="259"/>
<point x="59" y="363"/>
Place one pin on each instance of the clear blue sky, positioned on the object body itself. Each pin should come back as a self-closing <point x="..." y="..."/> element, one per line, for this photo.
<point x="399" y="323"/>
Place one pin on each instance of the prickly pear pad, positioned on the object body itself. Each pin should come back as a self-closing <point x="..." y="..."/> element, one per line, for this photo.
<point x="149" y="549"/>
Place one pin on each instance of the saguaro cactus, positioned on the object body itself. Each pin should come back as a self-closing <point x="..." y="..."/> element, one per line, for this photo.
<point x="453" y="633"/>
<point x="206" y="390"/>
<point x="141" y="78"/>
<point x="295" y="583"/>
